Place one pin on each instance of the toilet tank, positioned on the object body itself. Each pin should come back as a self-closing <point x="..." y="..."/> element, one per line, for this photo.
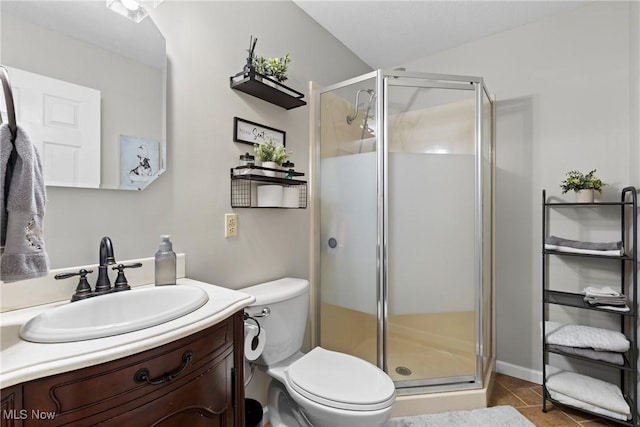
<point x="287" y="301"/>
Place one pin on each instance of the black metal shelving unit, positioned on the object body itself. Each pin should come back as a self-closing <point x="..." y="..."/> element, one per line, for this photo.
<point x="267" y="89"/>
<point x="628" y="284"/>
<point x="245" y="179"/>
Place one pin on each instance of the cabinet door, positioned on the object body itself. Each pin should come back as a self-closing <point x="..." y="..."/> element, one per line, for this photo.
<point x="12" y="411"/>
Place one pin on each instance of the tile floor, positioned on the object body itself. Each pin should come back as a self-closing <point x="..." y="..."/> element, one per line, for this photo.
<point x="526" y="397"/>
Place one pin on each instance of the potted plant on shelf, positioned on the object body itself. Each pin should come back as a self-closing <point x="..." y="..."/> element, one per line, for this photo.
<point x="272" y="67"/>
<point x="275" y="68"/>
<point x="583" y="185"/>
<point x="271" y="155"/>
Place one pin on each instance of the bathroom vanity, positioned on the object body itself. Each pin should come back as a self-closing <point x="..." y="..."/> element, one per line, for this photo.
<point x="186" y="372"/>
<point x="191" y="382"/>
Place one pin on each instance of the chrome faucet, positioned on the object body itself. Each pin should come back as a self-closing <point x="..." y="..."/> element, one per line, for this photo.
<point x="103" y="285"/>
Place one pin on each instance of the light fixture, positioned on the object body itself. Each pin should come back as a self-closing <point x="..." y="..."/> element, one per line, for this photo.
<point x="132" y="9"/>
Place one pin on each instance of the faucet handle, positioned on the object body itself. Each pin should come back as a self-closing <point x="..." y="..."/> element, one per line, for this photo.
<point x="121" y="283"/>
<point x="83" y="290"/>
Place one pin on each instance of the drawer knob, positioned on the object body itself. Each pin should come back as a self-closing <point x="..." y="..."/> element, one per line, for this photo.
<point x="142" y="375"/>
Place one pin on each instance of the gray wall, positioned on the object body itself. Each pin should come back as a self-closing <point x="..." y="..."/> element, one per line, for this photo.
<point x="206" y="43"/>
<point x="567" y="98"/>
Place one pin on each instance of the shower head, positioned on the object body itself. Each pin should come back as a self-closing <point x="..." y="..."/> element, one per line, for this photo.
<point x="399" y="69"/>
<point x="372" y="95"/>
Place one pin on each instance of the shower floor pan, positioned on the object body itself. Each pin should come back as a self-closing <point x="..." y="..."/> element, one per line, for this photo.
<point x="409" y="360"/>
<point x="420" y="346"/>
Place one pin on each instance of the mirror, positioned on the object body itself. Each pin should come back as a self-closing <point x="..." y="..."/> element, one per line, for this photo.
<point x="118" y="69"/>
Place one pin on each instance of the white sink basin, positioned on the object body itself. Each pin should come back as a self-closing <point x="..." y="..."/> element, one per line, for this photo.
<point x="113" y="314"/>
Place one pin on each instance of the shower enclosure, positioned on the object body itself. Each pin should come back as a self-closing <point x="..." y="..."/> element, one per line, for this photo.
<point x="402" y="182"/>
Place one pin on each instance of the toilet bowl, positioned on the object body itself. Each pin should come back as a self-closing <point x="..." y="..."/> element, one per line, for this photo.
<point x="321" y="388"/>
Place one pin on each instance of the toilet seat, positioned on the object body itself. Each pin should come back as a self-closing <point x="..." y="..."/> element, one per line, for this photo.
<point x="341" y="381"/>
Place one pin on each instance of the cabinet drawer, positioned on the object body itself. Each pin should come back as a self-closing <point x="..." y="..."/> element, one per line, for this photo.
<point x="115" y="385"/>
<point x="203" y="402"/>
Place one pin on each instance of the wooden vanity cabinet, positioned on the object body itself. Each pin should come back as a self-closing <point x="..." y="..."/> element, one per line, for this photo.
<point x="195" y="381"/>
<point x="11" y="406"/>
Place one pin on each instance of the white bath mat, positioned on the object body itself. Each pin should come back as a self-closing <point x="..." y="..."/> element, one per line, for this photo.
<point x="497" y="416"/>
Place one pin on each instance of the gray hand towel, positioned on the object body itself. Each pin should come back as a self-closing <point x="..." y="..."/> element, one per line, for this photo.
<point x="23" y="255"/>
<point x="594" y="246"/>
<point x="6" y="147"/>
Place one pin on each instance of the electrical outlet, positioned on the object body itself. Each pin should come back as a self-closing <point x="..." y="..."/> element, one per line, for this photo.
<point x="230" y="225"/>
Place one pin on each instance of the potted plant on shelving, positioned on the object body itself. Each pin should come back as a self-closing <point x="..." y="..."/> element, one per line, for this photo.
<point x="271" y="155"/>
<point x="272" y="67"/>
<point x="275" y="68"/>
<point x="584" y="185"/>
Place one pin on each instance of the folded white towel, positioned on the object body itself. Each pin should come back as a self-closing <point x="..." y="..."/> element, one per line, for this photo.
<point x="604" y="291"/>
<point x="586" y="389"/>
<point x="562" y="398"/>
<point x="579" y="244"/>
<point x="607" y="356"/>
<point x="585" y="337"/>
<point x="614" y="308"/>
<point x="607" y="301"/>
<point x="617" y="252"/>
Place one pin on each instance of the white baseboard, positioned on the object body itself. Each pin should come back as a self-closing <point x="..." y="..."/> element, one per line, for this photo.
<point x="519" y="372"/>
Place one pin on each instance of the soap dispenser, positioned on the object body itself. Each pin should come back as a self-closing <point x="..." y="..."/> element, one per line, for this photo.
<point x="165" y="262"/>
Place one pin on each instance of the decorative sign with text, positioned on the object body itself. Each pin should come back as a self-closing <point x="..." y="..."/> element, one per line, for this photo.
<point x="254" y="133"/>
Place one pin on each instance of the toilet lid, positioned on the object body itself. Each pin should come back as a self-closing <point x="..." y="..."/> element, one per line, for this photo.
<point x="341" y="381"/>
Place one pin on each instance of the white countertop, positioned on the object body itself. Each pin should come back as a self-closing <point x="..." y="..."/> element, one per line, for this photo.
<point x="22" y="361"/>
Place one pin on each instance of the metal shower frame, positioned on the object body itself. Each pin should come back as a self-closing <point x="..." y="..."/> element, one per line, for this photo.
<point x="384" y="79"/>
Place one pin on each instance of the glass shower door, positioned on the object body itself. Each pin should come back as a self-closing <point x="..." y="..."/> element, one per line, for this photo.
<point x="347" y="196"/>
<point x="430" y="219"/>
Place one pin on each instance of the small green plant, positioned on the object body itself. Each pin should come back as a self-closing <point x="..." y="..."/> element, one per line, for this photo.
<point x="577" y="181"/>
<point x="272" y="67"/>
<point x="268" y="151"/>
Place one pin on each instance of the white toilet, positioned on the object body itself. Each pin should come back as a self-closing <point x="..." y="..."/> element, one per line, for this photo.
<point x="321" y="388"/>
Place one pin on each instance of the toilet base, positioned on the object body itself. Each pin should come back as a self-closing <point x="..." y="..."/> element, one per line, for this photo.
<point x="282" y="409"/>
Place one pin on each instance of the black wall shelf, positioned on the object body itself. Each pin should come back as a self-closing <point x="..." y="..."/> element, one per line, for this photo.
<point x="272" y="91"/>
<point x="245" y="179"/>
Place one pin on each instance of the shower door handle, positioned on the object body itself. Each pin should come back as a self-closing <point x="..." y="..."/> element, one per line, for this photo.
<point x="332" y="242"/>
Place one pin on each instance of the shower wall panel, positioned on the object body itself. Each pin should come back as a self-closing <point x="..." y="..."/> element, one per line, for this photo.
<point x="447" y="128"/>
<point x="340" y="138"/>
<point x="431" y="230"/>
